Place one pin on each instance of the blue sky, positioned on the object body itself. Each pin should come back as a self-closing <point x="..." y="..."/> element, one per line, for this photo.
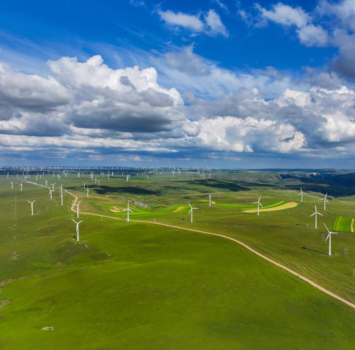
<point x="207" y="83"/>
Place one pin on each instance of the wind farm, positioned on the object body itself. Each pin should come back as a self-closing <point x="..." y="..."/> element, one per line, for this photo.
<point x="284" y="243"/>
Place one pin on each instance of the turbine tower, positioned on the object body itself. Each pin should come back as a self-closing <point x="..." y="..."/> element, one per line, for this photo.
<point x="12" y="185"/>
<point x="77" y="228"/>
<point x="315" y="217"/>
<point x="61" y="199"/>
<point x="21" y="185"/>
<point x="330" y="233"/>
<point x="50" y="194"/>
<point x="210" y="198"/>
<point x="31" y="206"/>
<point x="77" y="209"/>
<point x="128" y="210"/>
<point x="259" y="205"/>
<point x="192" y="212"/>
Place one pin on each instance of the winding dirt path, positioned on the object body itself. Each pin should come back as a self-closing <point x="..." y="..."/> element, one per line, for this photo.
<point x="307" y="280"/>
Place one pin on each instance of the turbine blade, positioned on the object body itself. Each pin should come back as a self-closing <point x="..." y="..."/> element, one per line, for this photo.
<point x="326" y="228"/>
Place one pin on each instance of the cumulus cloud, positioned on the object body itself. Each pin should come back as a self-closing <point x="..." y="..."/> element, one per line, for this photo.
<point x="88" y="110"/>
<point x="210" y="23"/>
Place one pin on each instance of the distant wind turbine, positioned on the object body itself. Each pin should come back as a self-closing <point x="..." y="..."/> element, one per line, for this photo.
<point x="330" y="233"/>
<point x="77" y="209"/>
<point x="61" y="200"/>
<point x="127" y="210"/>
<point x="315" y="217"/>
<point x="77" y="228"/>
<point x="21" y="185"/>
<point x="301" y="194"/>
<point x="259" y="205"/>
<point x="324" y="199"/>
<point x="31" y="206"/>
<point x="192" y="212"/>
<point x="12" y="185"/>
<point x="210" y="199"/>
<point x="50" y="194"/>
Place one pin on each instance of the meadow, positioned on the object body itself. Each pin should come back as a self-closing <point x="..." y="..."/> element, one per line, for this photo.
<point x="138" y="285"/>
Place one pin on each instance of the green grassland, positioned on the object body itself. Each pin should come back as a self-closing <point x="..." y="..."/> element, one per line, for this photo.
<point x="140" y="286"/>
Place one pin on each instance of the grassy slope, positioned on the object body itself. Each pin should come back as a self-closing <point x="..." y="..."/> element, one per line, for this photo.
<point x="136" y="287"/>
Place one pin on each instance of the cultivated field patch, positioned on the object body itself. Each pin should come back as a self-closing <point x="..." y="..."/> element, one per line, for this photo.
<point x="275" y="207"/>
<point x="343" y="224"/>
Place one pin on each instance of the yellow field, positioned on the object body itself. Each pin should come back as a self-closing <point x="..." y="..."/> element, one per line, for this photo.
<point x="280" y="207"/>
<point x="179" y="209"/>
<point x="115" y="210"/>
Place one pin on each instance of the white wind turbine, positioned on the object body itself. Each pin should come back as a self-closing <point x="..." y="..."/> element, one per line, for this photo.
<point x="127" y="178"/>
<point x="330" y="233"/>
<point x="12" y="185"/>
<point x="52" y="186"/>
<point x="21" y="185"/>
<point x="210" y="199"/>
<point x="77" y="209"/>
<point x="31" y="206"/>
<point x="50" y="194"/>
<point x="324" y="199"/>
<point x="46" y="182"/>
<point x="315" y="218"/>
<point x="87" y="192"/>
<point x="301" y="194"/>
<point x="84" y="184"/>
<point x="77" y="228"/>
<point x="192" y="212"/>
<point x="61" y="189"/>
<point x="128" y="210"/>
<point x="259" y="205"/>
<point x="61" y="199"/>
<point x="98" y="181"/>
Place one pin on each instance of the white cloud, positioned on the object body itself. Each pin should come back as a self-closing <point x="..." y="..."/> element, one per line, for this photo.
<point x="183" y="20"/>
<point x="212" y="24"/>
<point x="285" y="15"/>
<point x="311" y="35"/>
<point x="215" y="24"/>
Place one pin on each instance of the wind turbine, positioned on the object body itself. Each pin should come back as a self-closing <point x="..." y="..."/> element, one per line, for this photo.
<point x="84" y="183"/>
<point x="12" y="185"/>
<point x="301" y="194"/>
<point x="259" y="205"/>
<point x="77" y="228"/>
<point x="61" y="199"/>
<point x="324" y="201"/>
<point x="46" y="182"/>
<point x="52" y="186"/>
<point x="210" y="198"/>
<point x="31" y="206"/>
<point x="330" y="233"/>
<point x="77" y="209"/>
<point x="315" y="213"/>
<point x="21" y="185"/>
<point x="192" y="212"/>
<point x="87" y="192"/>
<point x="50" y="194"/>
<point x="128" y="210"/>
